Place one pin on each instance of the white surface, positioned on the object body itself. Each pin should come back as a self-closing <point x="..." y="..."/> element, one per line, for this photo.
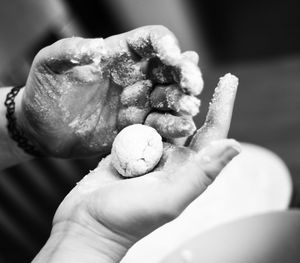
<point x="255" y="182"/>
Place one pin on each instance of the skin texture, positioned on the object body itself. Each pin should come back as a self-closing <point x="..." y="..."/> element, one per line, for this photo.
<point x="114" y="212"/>
<point x="81" y="90"/>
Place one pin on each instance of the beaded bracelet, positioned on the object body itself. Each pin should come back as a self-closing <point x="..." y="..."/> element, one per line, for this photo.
<point x="14" y="131"/>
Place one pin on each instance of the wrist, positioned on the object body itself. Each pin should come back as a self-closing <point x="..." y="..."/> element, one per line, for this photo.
<point x="73" y="242"/>
<point x="11" y="153"/>
<point x="24" y="126"/>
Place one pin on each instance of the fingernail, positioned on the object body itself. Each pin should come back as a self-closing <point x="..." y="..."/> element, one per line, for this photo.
<point x="232" y="143"/>
<point x="235" y="145"/>
<point x="226" y="148"/>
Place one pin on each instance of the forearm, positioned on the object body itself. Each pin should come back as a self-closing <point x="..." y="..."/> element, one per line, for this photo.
<point x="79" y="244"/>
<point x="10" y="153"/>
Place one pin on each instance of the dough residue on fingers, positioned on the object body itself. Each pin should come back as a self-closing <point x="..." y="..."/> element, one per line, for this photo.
<point x="170" y="126"/>
<point x="218" y="118"/>
<point x="184" y="72"/>
<point x="137" y="94"/>
<point x="171" y="97"/>
<point x="136" y="150"/>
<point x="191" y="80"/>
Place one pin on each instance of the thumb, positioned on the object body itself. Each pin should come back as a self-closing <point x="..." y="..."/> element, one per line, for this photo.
<point x="193" y="178"/>
<point x="69" y="52"/>
<point x="215" y="157"/>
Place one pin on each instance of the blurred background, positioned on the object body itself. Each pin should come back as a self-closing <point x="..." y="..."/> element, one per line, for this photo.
<point x="256" y="40"/>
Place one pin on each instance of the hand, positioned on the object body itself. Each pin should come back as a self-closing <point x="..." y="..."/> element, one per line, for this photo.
<point x="81" y="92"/>
<point x="104" y="206"/>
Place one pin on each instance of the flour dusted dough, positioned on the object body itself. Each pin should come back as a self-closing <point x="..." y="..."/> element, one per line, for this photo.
<point x="136" y="150"/>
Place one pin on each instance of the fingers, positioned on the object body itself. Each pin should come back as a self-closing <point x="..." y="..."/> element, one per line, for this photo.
<point x="135" y="101"/>
<point x="161" y="73"/>
<point x="215" y="157"/>
<point x="190" y="77"/>
<point x="218" y="119"/>
<point x="166" y="98"/>
<point x="132" y="115"/>
<point x="185" y="73"/>
<point x="169" y="126"/>
<point x="166" y="63"/>
<point x="70" y="52"/>
<point x="137" y="94"/>
<point x="191" y="180"/>
<point x="192" y="56"/>
<point x="154" y="41"/>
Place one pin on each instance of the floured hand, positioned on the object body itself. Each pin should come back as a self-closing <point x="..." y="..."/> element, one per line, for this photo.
<point x="124" y="210"/>
<point x="81" y="92"/>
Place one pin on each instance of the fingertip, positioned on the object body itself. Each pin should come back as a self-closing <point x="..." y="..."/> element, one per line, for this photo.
<point x="170" y="126"/>
<point x="190" y="78"/>
<point x="222" y="151"/>
<point x="165" y="44"/>
<point x="155" y="41"/>
<point x="229" y="153"/>
<point x="191" y="55"/>
<point x="234" y="144"/>
<point x="213" y="158"/>
<point x="189" y="105"/>
<point x="168" y="50"/>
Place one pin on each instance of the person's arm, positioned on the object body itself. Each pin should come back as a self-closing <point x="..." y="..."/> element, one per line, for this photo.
<point x="10" y="152"/>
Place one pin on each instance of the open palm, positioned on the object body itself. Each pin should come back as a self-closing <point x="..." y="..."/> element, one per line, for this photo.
<point x="134" y="207"/>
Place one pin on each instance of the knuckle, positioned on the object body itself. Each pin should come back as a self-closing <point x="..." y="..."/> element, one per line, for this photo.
<point x="69" y="46"/>
<point x="131" y="115"/>
<point x="162" y="29"/>
<point x="159" y="31"/>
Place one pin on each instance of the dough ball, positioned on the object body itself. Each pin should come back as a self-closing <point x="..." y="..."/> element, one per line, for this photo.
<point x="136" y="150"/>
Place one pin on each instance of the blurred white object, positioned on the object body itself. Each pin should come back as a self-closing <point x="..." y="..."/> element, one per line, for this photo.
<point x="266" y="238"/>
<point x="257" y="181"/>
